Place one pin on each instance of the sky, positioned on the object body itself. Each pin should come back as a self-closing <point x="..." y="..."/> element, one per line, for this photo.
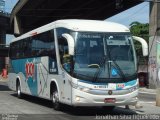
<point x="138" y="13"/>
<point x="9" y="4"/>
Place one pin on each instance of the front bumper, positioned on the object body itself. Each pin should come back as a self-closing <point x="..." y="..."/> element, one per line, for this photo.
<point x="80" y="98"/>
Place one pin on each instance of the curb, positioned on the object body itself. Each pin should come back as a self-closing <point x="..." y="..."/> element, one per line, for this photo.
<point x="147" y="91"/>
<point x="151" y="93"/>
<point x="3" y="80"/>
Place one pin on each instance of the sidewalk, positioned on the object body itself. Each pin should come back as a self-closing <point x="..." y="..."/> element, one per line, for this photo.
<point x="147" y="90"/>
<point x="3" y="79"/>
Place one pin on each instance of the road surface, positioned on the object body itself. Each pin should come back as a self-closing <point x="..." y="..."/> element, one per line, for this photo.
<point x="39" y="109"/>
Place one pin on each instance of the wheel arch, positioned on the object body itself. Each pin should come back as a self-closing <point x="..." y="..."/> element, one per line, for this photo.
<point x="54" y="85"/>
<point x="18" y="80"/>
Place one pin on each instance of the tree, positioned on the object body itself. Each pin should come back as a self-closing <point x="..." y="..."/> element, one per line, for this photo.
<point x="141" y="30"/>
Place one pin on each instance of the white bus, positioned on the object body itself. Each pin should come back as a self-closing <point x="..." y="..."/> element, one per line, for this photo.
<point x="76" y="62"/>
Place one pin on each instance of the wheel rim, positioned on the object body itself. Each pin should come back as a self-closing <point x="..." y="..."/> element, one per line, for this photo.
<point x="19" y="90"/>
<point x="55" y="98"/>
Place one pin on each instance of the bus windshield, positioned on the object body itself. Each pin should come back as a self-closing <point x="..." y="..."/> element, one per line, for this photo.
<point x="104" y="57"/>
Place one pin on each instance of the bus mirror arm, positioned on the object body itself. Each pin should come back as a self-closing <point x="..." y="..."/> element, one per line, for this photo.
<point x="70" y="41"/>
<point x="143" y="43"/>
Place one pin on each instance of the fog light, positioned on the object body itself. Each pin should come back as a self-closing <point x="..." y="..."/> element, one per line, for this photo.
<point x="77" y="98"/>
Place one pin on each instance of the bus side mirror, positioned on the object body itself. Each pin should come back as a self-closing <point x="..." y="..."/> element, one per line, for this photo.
<point x="70" y="41"/>
<point x="144" y="45"/>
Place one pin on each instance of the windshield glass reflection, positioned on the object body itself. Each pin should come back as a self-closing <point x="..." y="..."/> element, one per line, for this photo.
<point x="103" y="56"/>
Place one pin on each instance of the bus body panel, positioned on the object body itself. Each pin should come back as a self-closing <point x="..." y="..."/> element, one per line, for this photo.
<point x="38" y="83"/>
<point x="12" y="81"/>
<point x="78" y="25"/>
<point x="66" y="88"/>
<point x="33" y="76"/>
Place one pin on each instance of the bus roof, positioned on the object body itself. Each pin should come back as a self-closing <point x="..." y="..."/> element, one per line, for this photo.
<point x="78" y="25"/>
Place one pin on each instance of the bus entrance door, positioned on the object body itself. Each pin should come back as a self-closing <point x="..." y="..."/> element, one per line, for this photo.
<point x="66" y="88"/>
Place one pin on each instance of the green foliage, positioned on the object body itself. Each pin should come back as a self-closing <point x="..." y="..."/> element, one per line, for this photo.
<point x="140" y="30"/>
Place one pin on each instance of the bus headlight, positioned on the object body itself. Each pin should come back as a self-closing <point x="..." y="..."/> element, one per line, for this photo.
<point x="81" y="88"/>
<point x="84" y="89"/>
<point x="133" y="88"/>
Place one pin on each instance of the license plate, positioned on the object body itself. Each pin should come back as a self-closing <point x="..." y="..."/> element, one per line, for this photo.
<point x="109" y="100"/>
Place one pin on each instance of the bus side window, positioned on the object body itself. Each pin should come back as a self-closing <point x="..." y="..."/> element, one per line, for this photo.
<point x="27" y="47"/>
<point x="12" y="52"/>
<point x="63" y="51"/>
<point x="43" y="45"/>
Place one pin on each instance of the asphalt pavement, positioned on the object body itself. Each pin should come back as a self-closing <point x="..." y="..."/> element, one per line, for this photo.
<point x="39" y="109"/>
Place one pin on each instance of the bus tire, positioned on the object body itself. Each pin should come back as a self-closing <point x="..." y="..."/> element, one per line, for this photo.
<point x="19" y="93"/>
<point x="55" y="100"/>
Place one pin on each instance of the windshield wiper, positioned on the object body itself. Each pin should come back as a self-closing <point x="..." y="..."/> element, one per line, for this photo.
<point x="120" y="70"/>
<point x="97" y="73"/>
<point x="117" y="66"/>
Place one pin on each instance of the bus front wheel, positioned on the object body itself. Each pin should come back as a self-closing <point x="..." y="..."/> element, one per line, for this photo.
<point x="55" y="100"/>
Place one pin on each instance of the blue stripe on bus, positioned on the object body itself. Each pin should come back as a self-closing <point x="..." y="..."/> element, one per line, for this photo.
<point x="119" y="86"/>
<point x="93" y="83"/>
<point x="19" y="66"/>
<point x="130" y="83"/>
